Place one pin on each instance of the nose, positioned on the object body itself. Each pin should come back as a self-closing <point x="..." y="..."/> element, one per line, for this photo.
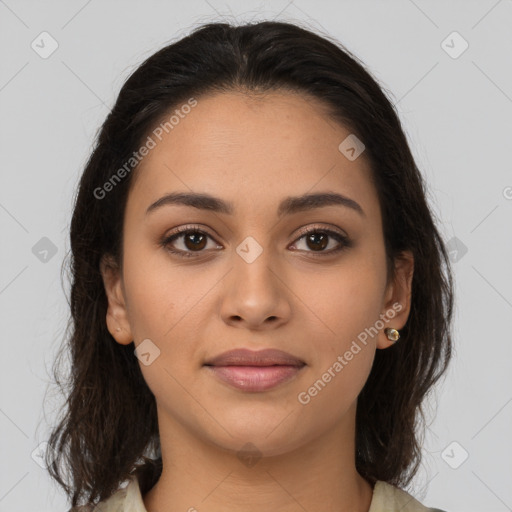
<point x="255" y="294"/>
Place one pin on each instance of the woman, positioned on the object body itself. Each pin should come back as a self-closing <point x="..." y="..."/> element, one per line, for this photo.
<point x="260" y="297"/>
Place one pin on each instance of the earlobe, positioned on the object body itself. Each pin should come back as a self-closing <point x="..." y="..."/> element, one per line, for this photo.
<point x="398" y="300"/>
<point x="117" y="314"/>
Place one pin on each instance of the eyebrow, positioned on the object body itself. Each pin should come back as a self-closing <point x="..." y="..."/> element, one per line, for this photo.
<point x="288" y="206"/>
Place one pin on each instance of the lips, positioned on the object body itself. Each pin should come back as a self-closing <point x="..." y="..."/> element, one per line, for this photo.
<point x="254" y="372"/>
<point x="245" y="357"/>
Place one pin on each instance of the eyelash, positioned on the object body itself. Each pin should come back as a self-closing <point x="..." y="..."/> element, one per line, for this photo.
<point x="165" y="243"/>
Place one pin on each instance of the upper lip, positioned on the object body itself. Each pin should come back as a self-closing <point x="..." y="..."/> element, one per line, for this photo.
<point x="246" y="357"/>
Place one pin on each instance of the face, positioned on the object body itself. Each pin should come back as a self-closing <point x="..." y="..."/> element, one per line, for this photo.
<point x="257" y="269"/>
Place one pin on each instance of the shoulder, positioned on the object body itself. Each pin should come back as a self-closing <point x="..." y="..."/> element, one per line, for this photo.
<point x="388" y="498"/>
<point x="125" y="499"/>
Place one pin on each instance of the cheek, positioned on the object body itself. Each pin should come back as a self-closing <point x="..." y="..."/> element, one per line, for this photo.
<point x="343" y="306"/>
<point x="348" y="304"/>
<point x="152" y="293"/>
<point x="167" y="304"/>
<point x="328" y="396"/>
<point x="343" y="301"/>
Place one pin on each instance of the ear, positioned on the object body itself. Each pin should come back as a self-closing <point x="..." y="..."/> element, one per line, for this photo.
<point x="117" y="315"/>
<point x="397" y="302"/>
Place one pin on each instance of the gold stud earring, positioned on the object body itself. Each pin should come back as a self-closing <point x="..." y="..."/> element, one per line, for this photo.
<point x="392" y="334"/>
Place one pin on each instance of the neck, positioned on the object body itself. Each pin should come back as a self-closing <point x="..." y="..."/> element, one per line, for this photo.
<point x="317" y="476"/>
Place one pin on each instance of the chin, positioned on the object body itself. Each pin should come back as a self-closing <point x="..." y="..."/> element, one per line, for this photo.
<point x="265" y="438"/>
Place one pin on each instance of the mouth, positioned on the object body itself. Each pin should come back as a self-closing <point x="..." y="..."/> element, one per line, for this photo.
<point x="245" y="357"/>
<point x="252" y="371"/>
<point x="255" y="378"/>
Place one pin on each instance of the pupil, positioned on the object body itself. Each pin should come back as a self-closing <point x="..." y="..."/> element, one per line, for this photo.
<point x="195" y="244"/>
<point x="323" y="242"/>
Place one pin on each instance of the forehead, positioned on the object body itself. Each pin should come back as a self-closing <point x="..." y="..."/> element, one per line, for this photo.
<point x="250" y="150"/>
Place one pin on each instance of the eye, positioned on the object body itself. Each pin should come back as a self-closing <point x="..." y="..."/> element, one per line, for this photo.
<point x="192" y="239"/>
<point x="318" y="239"/>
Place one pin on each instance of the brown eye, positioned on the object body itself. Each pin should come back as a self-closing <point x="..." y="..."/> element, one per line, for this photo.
<point x="195" y="241"/>
<point x="317" y="240"/>
<point x="189" y="241"/>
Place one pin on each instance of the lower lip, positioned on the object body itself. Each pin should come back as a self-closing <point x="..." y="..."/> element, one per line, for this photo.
<point x="255" y="378"/>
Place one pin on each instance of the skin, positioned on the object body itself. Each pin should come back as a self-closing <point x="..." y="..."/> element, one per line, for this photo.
<point x="254" y="152"/>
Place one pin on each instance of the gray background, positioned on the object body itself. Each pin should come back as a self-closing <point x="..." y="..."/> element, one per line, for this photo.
<point x="457" y="112"/>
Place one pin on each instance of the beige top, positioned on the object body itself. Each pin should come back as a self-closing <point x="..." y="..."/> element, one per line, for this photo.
<point x="386" y="498"/>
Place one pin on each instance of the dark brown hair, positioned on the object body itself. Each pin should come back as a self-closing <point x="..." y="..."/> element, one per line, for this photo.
<point x="109" y="427"/>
